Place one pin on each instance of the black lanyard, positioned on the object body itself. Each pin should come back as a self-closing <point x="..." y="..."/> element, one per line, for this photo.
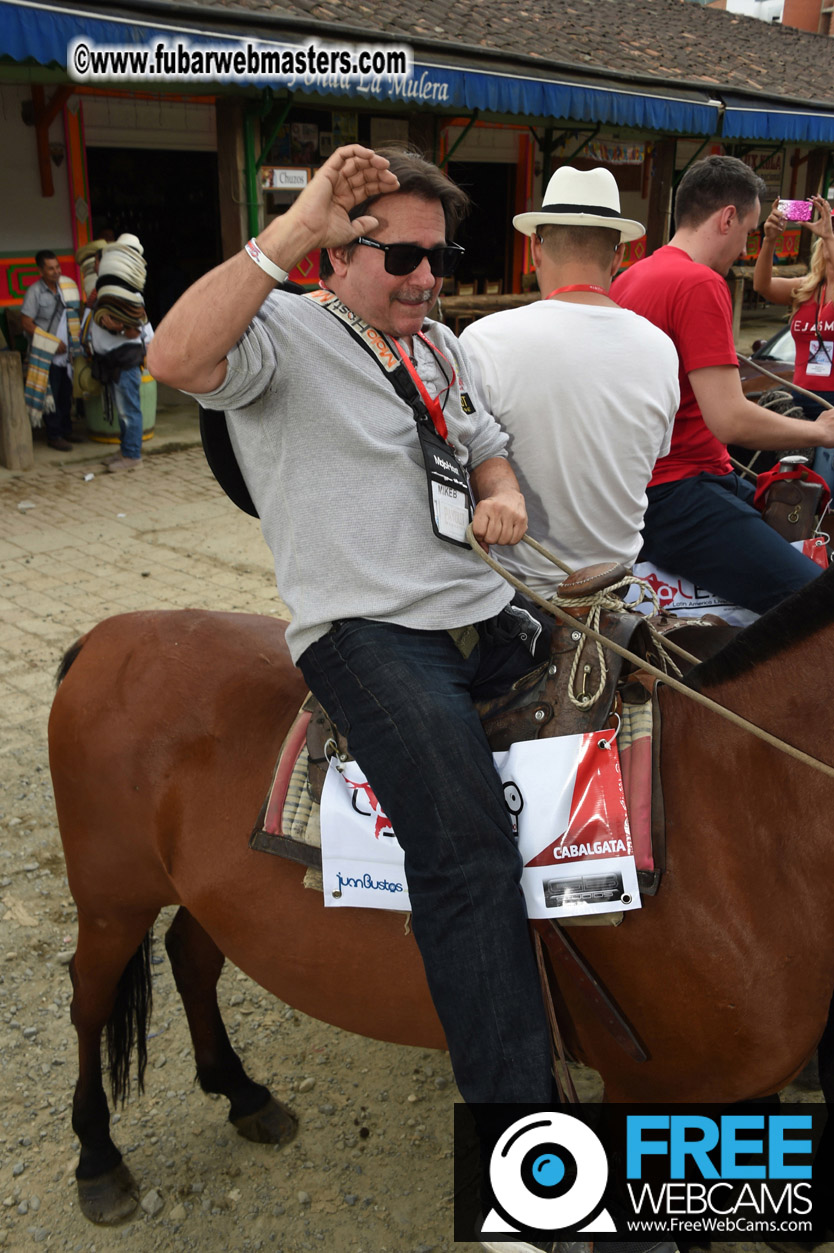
<point x="823" y="291"/>
<point x="432" y="403"/>
<point x="450" y="497"/>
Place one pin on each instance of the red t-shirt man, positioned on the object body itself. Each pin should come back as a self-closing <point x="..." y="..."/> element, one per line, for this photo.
<point x="700" y="522"/>
<point x="691" y="303"/>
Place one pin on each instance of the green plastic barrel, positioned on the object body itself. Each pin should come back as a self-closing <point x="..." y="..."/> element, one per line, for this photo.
<point x="100" y="430"/>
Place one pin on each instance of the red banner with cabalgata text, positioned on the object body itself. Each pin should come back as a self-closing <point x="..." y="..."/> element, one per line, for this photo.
<point x="569" y="812"/>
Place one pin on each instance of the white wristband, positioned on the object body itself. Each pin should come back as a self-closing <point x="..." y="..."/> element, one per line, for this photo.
<point x="269" y="267"/>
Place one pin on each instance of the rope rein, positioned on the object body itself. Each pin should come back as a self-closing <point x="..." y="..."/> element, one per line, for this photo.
<point x="648" y="594"/>
<point x="598" y="603"/>
<point x="554" y="608"/>
<point x="783" y="382"/>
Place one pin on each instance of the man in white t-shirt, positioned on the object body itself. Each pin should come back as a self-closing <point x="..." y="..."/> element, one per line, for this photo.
<point x="586" y="390"/>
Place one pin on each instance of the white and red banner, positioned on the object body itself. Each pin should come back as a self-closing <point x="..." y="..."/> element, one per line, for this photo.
<point x="361" y="860"/>
<point x="565" y="798"/>
<point x="684" y="599"/>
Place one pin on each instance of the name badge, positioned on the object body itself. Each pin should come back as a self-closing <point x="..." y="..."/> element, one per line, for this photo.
<point x="819" y="357"/>
<point x="450" y="500"/>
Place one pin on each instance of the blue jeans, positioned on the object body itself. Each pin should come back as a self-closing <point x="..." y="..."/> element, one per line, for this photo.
<point x="404" y="699"/>
<point x="130" y="411"/>
<point x="823" y="461"/>
<point x="706" y="529"/>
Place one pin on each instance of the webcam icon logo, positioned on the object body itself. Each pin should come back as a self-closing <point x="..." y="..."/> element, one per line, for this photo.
<point x="548" y="1172"/>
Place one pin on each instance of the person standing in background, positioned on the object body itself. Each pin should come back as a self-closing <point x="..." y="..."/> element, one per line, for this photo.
<point x="44" y="316"/>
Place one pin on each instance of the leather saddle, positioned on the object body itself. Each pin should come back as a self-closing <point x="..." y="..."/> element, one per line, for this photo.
<point x="538" y="705"/>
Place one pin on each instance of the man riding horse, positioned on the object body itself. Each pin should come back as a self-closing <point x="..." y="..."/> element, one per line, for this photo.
<point x="396" y="624"/>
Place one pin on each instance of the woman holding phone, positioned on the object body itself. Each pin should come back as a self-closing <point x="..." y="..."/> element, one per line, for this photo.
<point x="811" y="299"/>
<point x="812" y="311"/>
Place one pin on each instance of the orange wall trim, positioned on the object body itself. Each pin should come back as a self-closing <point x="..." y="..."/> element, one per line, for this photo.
<point x="79" y="188"/>
<point x="17" y="273"/>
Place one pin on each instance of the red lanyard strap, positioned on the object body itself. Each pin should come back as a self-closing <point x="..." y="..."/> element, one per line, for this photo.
<point x="431" y="402"/>
<point x="577" y="287"/>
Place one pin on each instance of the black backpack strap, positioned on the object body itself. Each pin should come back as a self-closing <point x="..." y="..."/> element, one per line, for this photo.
<point x="214" y="433"/>
<point x="222" y="460"/>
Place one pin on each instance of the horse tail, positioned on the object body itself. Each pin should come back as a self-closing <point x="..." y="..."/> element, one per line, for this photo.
<point x="127" y="1026"/>
<point x="67" y="660"/>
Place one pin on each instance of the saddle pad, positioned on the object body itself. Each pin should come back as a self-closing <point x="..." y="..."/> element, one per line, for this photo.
<point x="288" y="823"/>
<point x="300" y="814"/>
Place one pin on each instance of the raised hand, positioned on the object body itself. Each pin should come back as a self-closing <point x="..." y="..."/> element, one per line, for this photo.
<point x="822" y="226"/>
<point x="774" y="223"/>
<point x="190" y="346"/>
<point x="320" y="214"/>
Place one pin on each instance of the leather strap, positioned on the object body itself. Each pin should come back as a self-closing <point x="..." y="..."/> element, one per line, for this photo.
<point x="565" y="952"/>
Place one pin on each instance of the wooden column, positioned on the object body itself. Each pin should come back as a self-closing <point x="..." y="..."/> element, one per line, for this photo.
<point x="231" y="176"/>
<point x="44" y="115"/>
<point x="15" y="431"/>
<point x="658" y="227"/>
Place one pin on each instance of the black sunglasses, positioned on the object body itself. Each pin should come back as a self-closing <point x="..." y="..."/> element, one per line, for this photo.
<point x="403" y="259"/>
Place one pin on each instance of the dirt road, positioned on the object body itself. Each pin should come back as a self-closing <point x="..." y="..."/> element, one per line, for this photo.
<point x="371" y="1168"/>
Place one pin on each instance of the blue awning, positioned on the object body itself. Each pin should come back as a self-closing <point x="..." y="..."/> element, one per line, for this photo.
<point x="749" y="119"/>
<point x="36" y="32"/>
<point x="30" y="31"/>
<point x="509" y="92"/>
<point x="33" y="31"/>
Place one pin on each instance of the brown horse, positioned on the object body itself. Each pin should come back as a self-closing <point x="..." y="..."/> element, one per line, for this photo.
<point x="163" y="735"/>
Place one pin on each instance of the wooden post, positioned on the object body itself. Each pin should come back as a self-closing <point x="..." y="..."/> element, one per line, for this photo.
<point x="15" y="431"/>
<point x="231" y="176"/>
<point x="660" y="194"/>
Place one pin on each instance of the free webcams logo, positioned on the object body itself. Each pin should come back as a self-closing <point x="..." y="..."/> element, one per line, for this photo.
<point x="748" y="1171"/>
<point x="548" y="1172"/>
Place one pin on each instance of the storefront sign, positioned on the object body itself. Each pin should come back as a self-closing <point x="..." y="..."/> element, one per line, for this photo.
<point x="284" y="178"/>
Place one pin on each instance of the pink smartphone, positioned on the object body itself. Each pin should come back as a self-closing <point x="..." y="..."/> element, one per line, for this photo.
<point x="796" y="210"/>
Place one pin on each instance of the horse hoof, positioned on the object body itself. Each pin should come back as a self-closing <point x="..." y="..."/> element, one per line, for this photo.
<point x="273" y="1124"/>
<point x="109" y="1198"/>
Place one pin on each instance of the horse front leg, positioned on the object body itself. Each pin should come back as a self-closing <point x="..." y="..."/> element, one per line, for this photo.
<point x="196" y="962"/>
<point x="111" y="989"/>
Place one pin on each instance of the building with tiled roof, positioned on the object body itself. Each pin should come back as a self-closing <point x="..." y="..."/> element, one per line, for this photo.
<point x="501" y="91"/>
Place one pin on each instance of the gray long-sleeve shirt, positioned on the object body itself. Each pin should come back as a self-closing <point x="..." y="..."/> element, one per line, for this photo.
<point x="332" y="461"/>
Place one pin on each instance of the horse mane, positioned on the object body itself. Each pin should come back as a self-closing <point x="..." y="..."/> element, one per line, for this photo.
<point x="67" y="660"/>
<point x="797" y="618"/>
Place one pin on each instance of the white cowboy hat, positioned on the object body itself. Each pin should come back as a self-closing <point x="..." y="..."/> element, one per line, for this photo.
<point x="580" y="198"/>
<point x="130" y="241"/>
<point x="88" y="251"/>
<point x="121" y="293"/>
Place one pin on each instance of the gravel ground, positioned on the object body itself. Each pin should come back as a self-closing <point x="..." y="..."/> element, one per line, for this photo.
<point x="371" y="1168"/>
